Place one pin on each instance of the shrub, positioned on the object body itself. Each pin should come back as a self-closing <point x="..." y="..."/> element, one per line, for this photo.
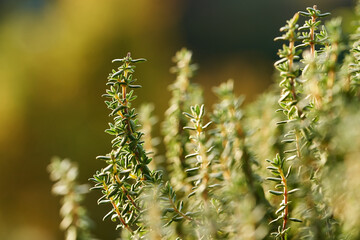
<point x="216" y="183"/>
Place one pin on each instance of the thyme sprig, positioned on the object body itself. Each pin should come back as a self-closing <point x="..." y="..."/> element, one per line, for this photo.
<point x="122" y="180"/>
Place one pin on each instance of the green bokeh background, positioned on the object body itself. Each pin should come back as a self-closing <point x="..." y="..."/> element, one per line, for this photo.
<point x="54" y="60"/>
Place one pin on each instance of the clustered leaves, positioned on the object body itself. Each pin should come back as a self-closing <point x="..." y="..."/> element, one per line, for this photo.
<point x="217" y="183"/>
<point x="127" y="172"/>
<point x="314" y="83"/>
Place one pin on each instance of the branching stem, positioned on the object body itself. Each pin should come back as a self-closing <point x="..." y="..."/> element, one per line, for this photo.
<point x="285" y="201"/>
<point x="117" y="210"/>
<point x="178" y="211"/>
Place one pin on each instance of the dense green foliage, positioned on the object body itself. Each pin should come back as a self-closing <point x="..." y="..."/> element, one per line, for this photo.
<point x="216" y="183"/>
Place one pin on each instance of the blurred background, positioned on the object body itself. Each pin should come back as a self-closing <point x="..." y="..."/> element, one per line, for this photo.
<point x="55" y="56"/>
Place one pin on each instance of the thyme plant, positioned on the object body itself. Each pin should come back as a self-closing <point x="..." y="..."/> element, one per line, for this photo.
<point x="218" y="182"/>
<point x="75" y="222"/>
<point x="184" y="94"/>
<point x="126" y="171"/>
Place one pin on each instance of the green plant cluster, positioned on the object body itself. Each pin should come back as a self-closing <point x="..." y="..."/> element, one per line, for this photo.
<point x="283" y="167"/>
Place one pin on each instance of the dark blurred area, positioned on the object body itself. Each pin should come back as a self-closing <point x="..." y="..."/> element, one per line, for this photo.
<point x="55" y="57"/>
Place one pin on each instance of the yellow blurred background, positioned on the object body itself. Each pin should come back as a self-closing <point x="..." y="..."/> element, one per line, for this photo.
<point x="55" y="57"/>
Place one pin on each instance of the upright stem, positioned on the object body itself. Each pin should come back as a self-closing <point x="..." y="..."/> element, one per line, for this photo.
<point x="298" y="149"/>
<point x="312" y="34"/>
<point x="204" y="164"/>
<point x="285" y="194"/>
<point x="291" y="60"/>
<point x="117" y="210"/>
<point x="124" y="102"/>
<point x="117" y="179"/>
<point x="222" y="159"/>
<point x="318" y="99"/>
<point x="331" y="78"/>
<point x="291" y="63"/>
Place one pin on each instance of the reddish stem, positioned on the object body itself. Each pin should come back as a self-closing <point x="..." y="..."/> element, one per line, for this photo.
<point x="312" y="34"/>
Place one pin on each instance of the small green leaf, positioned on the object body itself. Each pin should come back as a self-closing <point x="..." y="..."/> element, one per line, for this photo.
<point x="192" y="169"/>
<point x="181" y="205"/>
<point x="125" y="171"/>
<point x="134" y="86"/>
<point x="189" y="128"/>
<point x="280" y="209"/>
<point x="191" y="155"/>
<point x="275" y="220"/>
<point x="288" y="172"/>
<point x="191" y="194"/>
<point x="103" y="201"/>
<point x="114" y="217"/>
<point x="138" y="60"/>
<point x="188" y="115"/>
<point x="118" y="60"/>
<point x="169" y="210"/>
<point x="112" y="193"/>
<point x="168" y="223"/>
<point x="177" y="219"/>
<point x="202" y="111"/>
<point x="295" y="220"/>
<point x="274" y="179"/>
<point x="96" y="188"/>
<point x="293" y="190"/>
<point x="291" y="158"/>
<point x="306" y="14"/>
<point x="323" y="14"/>
<point x="117" y="73"/>
<point x="278" y="193"/>
<point x="118" y="109"/>
<point x="290" y="150"/>
<point x="206" y="125"/>
<point x="108" y="214"/>
<point x="108" y="168"/>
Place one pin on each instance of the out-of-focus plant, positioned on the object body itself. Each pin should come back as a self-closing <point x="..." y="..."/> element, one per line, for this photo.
<point x="176" y="139"/>
<point x="75" y="221"/>
<point x="148" y="121"/>
<point x="214" y="188"/>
